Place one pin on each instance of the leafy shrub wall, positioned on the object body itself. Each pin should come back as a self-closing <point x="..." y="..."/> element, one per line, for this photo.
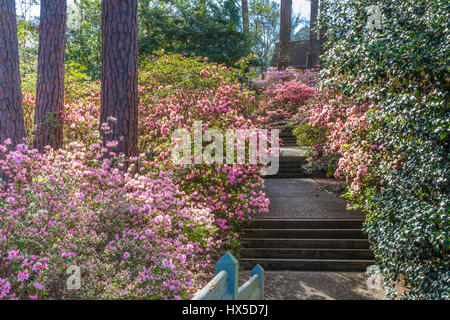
<point x="403" y="68"/>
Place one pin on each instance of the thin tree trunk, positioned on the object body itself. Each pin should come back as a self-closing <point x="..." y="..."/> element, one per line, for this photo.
<point x="119" y="73"/>
<point x="313" y="56"/>
<point x="285" y="34"/>
<point x="50" y="81"/>
<point x="323" y="27"/>
<point x="245" y="19"/>
<point x="12" y="124"/>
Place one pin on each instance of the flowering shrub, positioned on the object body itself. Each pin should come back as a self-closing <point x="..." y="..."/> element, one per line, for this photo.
<point x="275" y="77"/>
<point x="215" y="98"/>
<point x="133" y="234"/>
<point x="341" y="139"/>
<point x="81" y="109"/>
<point x="174" y="92"/>
<point x="283" y="93"/>
<point x="144" y="230"/>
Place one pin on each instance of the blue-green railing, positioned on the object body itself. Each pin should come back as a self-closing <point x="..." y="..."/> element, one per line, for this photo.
<point x="225" y="285"/>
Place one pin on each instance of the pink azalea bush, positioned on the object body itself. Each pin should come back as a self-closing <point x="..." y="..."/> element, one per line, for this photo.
<point x="232" y="192"/>
<point x="145" y="229"/>
<point x="81" y="110"/>
<point x="283" y="93"/>
<point x="132" y="233"/>
<point x="337" y="130"/>
<point x="275" y="77"/>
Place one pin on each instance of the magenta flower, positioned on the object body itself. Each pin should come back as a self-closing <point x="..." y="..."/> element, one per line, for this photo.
<point x="22" y="148"/>
<point x="11" y="200"/>
<point x="126" y="255"/>
<point x="17" y="157"/>
<point x="37" y="266"/>
<point x="38" y="286"/>
<point x="13" y="254"/>
<point x="167" y="264"/>
<point x="22" y="276"/>
<point x="79" y="195"/>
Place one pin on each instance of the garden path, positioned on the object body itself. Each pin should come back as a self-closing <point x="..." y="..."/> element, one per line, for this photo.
<point x="310" y="245"/>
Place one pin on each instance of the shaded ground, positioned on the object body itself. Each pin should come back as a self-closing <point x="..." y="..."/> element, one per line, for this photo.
<point x="288" y="285"/>
<point x="334" y="186"/>
<point x="303" y="198"/>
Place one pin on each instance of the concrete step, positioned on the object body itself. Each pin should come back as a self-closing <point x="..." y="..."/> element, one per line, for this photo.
<point x="292" y="158"/>
<point x="307" y="224"/>
<point x="308" y="264"/>
<point x="302" y="253"/>
<point x="290" y="166"/>
<point x="291" y="172"/>
<point x="289" y="176"/>
<point x="305" y="243"/>
<point x="305" y="233"/>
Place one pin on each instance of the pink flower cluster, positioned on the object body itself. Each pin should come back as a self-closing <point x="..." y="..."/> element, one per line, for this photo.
<point x="232" y="192"/>
<point x="138" y="229"/>
<point x="343" y="136"/>
<point x="134" y="234"/>
<point x="284" y="95"/>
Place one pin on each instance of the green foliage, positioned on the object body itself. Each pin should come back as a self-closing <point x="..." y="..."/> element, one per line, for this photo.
<point x="84" y="37"/>
<point x="28" y="39"/>
<point x="195" y="27"/>
<point x="264" y="26"/>
<point x="404" y="69"/>
<point x="180" y="72"/>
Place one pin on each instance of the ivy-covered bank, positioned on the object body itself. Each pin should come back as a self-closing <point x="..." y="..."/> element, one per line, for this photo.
<point x="403" y="69"/>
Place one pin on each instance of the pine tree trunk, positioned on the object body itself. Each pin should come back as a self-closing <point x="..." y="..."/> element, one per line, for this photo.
<point x="314" y="44"/>
<point x="11" y="113"/>
<point x="50" y="81"/>
<point x="285" y="34"/>
<point x="245" y="19"/>
<point x="119" y="73"/>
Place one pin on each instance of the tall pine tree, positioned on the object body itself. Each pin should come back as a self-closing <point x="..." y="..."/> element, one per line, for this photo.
<point x="11" y="113"/>
<point x="285" y="34"/>
<point x="119" y="73"/>
<point x="50" y="81"/>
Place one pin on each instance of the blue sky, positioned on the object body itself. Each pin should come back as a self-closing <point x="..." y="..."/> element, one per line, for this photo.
<point x="302" y="7"/>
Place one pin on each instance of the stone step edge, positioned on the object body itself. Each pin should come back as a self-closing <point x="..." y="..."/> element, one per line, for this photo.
<point x="305" y="260"/>
<point x="307" y="219"/>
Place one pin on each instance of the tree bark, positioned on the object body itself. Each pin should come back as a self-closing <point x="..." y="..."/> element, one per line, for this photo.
<point x="285" y="34"/>
<point x="50" y="80"/>
<point x="314" y="44"/>
<point x="119" y="73"/>
<point x="245" y="19"/>
<point x="12" y="124"/>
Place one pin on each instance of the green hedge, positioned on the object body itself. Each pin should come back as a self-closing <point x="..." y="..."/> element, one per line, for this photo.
<point x="404" y="69"/>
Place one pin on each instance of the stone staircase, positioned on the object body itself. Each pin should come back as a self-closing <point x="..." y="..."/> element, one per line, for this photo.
<point x="290" y="165"/>
<point x="330" y="242"/>
<point x="306" y="245"/>
<point x="288" y="137"/>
